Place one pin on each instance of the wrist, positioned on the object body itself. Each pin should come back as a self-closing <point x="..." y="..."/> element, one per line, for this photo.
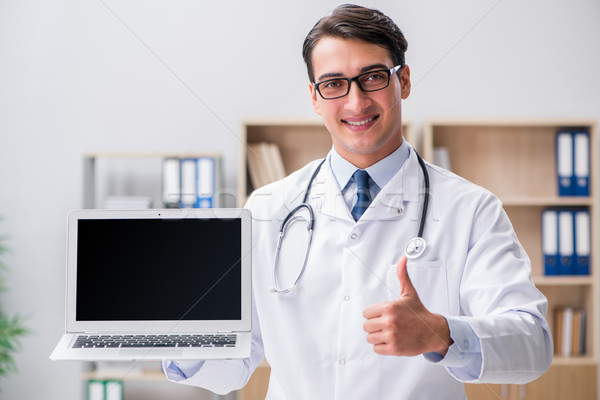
<point x="441" y="340"/>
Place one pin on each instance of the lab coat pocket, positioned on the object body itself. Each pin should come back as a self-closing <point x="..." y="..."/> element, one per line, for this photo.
<point x="430" y="281"/>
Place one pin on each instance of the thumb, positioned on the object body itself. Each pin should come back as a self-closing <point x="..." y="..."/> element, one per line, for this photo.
<point x="406" y="286"/>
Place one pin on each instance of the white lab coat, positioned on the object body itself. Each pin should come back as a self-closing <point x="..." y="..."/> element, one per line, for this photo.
<point x="474" y="268"/>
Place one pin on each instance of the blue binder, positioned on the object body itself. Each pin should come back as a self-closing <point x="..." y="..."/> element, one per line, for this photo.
<point x="582" y="239"/>
<point x="550" y="241"/>
<point x="581" y="163"/>
<point x="566" y="242"/>
<point x="205" y="182"/>
<point x="564" y="163"/>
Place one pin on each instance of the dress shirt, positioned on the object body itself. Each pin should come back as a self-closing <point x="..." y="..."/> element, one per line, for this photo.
<point x="466" y="349"/>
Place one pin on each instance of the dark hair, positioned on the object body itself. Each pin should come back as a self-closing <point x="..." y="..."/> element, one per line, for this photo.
<point x="350" y="21"/>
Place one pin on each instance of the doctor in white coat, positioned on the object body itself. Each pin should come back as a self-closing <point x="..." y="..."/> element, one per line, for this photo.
<point x="361" y="322"/>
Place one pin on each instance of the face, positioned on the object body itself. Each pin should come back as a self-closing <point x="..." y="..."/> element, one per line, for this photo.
<point x="365" y="126"/>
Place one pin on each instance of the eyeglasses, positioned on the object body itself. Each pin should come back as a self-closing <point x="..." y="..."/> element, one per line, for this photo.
<point x="367" y="82"/>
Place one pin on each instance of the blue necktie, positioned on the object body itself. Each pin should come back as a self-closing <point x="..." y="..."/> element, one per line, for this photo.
<point x="363" y="194"/>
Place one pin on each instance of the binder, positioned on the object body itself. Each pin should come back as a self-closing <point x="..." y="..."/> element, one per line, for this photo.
<point x="550" y="241"/>
<point x="564" y="163"/>
<point x="95" y="390"/>
<point x="113" y="390"/>
<point x="566" y="248"/>
<point x="99" y="389"/>
<point x="582" y="241"/>
<point x="171" y="192"/>
<point x="205" y="182"/>
<point x="191" y="182"/>
<point x="188" y="183"/>
<point x="581" y="163"/>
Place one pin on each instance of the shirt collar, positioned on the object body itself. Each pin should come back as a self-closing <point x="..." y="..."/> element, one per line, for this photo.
<point x="381" y="172"/>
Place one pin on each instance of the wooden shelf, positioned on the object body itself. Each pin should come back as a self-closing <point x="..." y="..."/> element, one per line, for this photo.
<point x="550" y="201"/>
<point x="564" y="280"/>
<point x="515" y="159"/>
<point x="157" y="376"/>
<point x="579" y="361"/>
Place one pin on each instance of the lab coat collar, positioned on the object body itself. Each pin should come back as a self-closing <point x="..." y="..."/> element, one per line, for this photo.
<point x="326" y="195"/>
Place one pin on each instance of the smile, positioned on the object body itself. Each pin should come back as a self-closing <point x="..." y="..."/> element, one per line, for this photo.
<point x="360" y="123"/>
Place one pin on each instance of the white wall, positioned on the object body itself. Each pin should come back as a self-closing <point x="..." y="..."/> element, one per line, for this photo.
<point x="150" y="75"/>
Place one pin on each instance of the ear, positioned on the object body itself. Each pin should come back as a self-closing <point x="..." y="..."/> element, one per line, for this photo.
<point x="405" y="81"/>
<point x="313" y="96"/>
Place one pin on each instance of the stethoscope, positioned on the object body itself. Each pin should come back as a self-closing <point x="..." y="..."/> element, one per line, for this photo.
<point x="414" y="248"/>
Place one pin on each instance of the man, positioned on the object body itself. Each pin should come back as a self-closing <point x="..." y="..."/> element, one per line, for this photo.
<point x="362" y="322"/>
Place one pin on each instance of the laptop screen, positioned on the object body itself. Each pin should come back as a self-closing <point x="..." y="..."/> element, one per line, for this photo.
<point x="159" y="269"/>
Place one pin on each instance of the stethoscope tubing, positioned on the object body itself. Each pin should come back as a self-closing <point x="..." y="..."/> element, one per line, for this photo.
<point x="291" y="218"/>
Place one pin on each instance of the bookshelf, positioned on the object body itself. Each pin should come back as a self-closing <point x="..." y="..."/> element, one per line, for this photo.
<point x="516" y="160"/>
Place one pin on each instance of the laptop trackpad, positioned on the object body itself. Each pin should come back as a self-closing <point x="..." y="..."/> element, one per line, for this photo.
<point x="152" y="353"/>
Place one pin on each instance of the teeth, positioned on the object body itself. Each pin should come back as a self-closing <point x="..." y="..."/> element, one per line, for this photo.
<point x="358" y="123"/>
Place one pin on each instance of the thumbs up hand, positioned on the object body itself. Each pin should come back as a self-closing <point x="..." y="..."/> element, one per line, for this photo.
<point x="404" y="327"/>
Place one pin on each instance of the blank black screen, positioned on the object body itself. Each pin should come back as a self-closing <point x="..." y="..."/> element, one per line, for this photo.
<point x="159" y="269"/>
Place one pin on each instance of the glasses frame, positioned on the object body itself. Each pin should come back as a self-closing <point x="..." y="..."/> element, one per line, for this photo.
<point x="389" y="73"/>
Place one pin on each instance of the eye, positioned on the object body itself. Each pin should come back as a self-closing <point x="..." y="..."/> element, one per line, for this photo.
<point x="333" y="84"/>
<point x="375" y="76"/>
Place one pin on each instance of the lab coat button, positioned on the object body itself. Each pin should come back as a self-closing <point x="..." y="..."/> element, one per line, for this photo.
<point x="342" y="362"/>
<point x="461" y="355"/>
<point x="346" y="298"/>
<point x="466" y="344"/>
<point x="354" y="235"/>
<point x="401" y="211"/>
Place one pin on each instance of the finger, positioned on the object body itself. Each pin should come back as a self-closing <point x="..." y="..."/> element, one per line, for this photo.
<point x="373" y="311"/>
<point x="383" y="349"/>
<point x="376" y="338"/>
<point x="373" y="325"/>
<point x="406" y="286"/>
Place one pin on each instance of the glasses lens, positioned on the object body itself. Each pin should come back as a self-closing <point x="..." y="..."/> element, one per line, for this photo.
<point x="374" y="80"/>
<point x="333" y="88"/>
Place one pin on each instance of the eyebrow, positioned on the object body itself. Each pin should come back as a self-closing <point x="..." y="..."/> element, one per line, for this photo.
<point x="362" y="71"/>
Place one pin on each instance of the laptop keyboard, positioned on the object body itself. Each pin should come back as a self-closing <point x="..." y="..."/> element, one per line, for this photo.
<point x="129" y="341"/>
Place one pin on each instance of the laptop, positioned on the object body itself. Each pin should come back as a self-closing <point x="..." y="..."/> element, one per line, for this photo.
<point x="157" y="284"/>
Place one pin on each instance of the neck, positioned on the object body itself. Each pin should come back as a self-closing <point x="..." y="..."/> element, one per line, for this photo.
<point x="363" y="161"/>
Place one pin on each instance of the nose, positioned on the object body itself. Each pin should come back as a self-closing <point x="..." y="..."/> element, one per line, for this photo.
<point x="356" y="99"/>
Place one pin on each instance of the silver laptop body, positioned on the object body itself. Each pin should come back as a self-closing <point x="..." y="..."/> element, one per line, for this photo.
<point x="167" y="284"/>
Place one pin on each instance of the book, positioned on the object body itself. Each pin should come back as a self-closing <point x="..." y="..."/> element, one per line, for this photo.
<point x="265" y="164"/>
<point x="570" y="331"/>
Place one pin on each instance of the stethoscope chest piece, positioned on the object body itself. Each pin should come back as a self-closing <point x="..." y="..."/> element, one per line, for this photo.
<point x="415" y="247"/>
